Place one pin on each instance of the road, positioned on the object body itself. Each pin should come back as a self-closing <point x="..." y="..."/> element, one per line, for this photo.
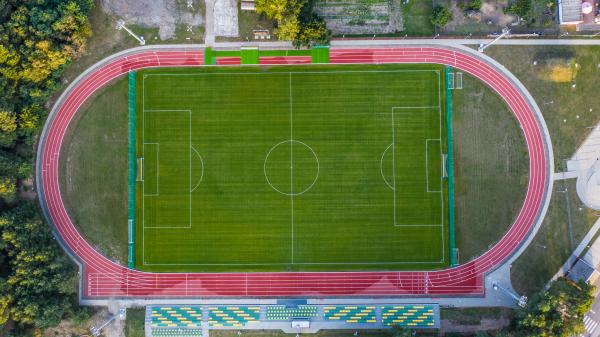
<point x="591" y="319"/>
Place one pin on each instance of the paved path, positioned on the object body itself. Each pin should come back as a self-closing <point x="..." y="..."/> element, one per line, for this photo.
<point x="401" y="42"/>
<point x="102" y="278"/>
<point x="209" y="23"/>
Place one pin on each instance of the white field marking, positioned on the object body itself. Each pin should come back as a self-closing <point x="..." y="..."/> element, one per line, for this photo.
<point x="157" y="168"/>
<point x="300" y="72"/>
<point x="202" y="170"/>
<point x="158" y="179"/>
<point x="394" y="177"/>
<point x="314" y="263"/>
<point x="267" y="176"/>
<point x="144" y="227"/>
<point x="441" y="178"/>
<point x="427" y="164"/>
<point x="439" y="108"/>
<point x="291" y="162"/>
<point x="295" y="263"/>
<point x="143" y="187"/>
<point x="394" y="163"/>
<point x="140" y="162"/>
<point x="381" y="166"/>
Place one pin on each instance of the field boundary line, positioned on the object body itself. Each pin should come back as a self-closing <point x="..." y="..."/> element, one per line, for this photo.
<point x="144" y="227"/>
<point x="296" y="72"/>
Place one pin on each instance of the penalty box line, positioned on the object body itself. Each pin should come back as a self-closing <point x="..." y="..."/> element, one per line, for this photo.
<point x="144" y="227"/>
<point x="283" y="263"/>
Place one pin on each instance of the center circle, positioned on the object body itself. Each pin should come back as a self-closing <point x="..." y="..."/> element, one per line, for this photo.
<point x="291" y="167"/>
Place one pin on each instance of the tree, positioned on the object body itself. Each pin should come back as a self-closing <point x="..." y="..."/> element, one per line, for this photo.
<point x="8" y="187"/>
<point x="39" y="287"/>
<point x="288" y="29"/>
<point x="295" y="21"/>
<point x="441" y="16"/>
<point x="313" y="33"/>
<point x="557" y="312"/>
<point x="520" y="8"/>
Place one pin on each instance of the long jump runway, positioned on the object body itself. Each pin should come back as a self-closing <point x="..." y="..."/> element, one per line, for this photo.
<point x="103" y="278"/>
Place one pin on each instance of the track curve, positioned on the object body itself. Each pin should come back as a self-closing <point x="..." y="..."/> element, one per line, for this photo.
<point x="103" y="278"/>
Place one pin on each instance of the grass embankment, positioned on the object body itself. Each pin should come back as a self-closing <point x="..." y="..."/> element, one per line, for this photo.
<point x="134" y="323"/>
<point x="93" y="170"/>
<point x="568" y="112"/>
<point x="416" y="18"/>
<point x="491" y="167"/>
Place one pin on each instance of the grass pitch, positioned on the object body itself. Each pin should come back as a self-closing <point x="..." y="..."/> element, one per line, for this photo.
<point x="291" y="168"/>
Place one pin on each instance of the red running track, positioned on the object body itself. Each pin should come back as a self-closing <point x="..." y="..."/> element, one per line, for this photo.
<point x="104" y="278"/>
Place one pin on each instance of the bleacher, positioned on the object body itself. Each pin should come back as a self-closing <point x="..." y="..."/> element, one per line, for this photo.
<point x="282" y="312"/>
<point x="350" y="313"/>
<point x="176" y="316"/>
<point x="186" y="320"/>
<point x="233" y="315"/>
<point x="409" y="316"/>
<point x="176" y="332"/>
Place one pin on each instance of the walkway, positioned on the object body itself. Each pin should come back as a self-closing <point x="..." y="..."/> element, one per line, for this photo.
<point x="102" y="278"/>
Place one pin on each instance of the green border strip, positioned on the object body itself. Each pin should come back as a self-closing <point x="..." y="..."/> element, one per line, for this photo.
<point x="131" y="172"/>
<point x="450" y="167"/>
<point x="320" y="54"/>
<point x="249" y="55"/>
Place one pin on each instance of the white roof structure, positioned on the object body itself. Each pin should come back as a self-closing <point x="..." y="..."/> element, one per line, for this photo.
<point x="569" y="12"/>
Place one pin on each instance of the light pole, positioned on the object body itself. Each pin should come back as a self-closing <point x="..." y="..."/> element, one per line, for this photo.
<point x="521" y="301"/>
<point x="121" y="25"/>
<point x="483" y="46"/>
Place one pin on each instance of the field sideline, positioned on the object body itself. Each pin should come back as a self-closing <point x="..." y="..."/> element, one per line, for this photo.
<point x="295" y="168"/>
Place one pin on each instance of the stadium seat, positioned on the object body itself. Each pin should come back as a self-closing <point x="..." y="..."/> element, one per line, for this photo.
<point x="176" y="317"/>
<point x="281" y="312"/>
<point x="350" y="314"/>
<point x="233" y="315"/>
<point x="413" y="316"/>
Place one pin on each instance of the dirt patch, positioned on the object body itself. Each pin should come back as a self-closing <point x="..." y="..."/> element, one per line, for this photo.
<point x="165" y="15"/>
<point x="69" y="328"/>
<point x="489" y="17"/>
<point x="485" y="324"/>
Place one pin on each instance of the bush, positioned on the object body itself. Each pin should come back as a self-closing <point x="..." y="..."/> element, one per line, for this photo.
<point x="441" y="16"/>
<point x="520" y="8"/>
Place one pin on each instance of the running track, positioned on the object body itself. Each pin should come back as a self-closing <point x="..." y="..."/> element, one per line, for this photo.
<point x="102" y="278"/>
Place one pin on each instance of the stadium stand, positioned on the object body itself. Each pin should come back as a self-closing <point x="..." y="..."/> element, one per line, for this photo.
<point x="350" y="314"/>
<point x="176" y="332"/>
<point x="176" y="317"/>
<point x="281" y="312"/>
<point x="233" y="316"/>
<point x="411" y="316"/>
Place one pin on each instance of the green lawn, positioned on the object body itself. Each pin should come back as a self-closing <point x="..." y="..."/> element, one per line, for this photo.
<point x="490" y="155"/>
<point x="336" y="168"/>
<point x="134" y="323"/>
<point x="93" y="172"/>
<point x="568" y="112"/>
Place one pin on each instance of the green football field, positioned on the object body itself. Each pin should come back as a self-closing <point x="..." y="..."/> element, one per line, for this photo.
<point x="291" y="168"/>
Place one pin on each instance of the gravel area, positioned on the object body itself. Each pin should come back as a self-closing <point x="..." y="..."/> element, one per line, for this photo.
<point x="164" y="14"/>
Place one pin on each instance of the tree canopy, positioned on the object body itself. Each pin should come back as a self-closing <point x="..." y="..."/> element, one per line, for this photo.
<point x="295" y="21"/>
<point x="441" y="16"/>
<point x="557" y="312"/>
<point x="38" y="39"/>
